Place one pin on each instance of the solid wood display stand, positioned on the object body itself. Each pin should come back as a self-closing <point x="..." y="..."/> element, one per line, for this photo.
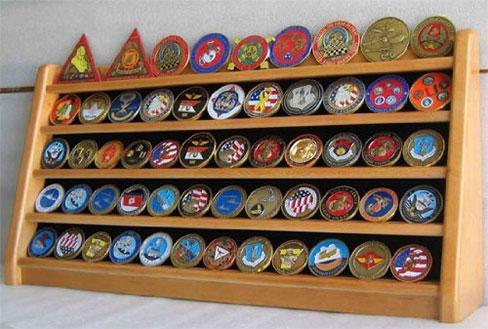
<point x="456" y="292"/>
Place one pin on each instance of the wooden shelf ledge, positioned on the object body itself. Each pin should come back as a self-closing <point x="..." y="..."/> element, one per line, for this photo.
<point x="280" y="225"/>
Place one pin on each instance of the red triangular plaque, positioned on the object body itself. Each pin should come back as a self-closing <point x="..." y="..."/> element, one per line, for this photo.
<point x="80" y="65"/>
<point x="131" y="61"/>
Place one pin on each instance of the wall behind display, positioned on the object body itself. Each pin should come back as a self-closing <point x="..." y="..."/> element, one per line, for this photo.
<point x="34" y="33"/>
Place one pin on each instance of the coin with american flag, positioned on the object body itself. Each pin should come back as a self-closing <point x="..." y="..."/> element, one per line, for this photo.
<point x="69" y="243"/>
<point x="263" y="100"/>
<point x="411" y="263"/>
<point x="301" y="202"/>
<point x="195" y="201"/>
<point x="165" y="154"/>
<point x="232" y="152"/>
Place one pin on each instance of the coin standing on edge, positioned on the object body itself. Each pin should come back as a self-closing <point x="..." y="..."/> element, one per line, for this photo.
<point x="388" y="93"/>
<point x="108" y="156"/>
<point x="210" y="53"/>
<point x="382" y="149"/>
<point x="370" y="260"/>
<point x="433" y="37"/>
<point x="125" y="247"/>
<point x="95" y="108"/>
<point x="254" y="255"/>
<point x="136" y="154"/>
<point x="267" y="152"/>
<point x="263" y="100"/>
<point x="42" y="243"/>
<point x="232" y="152"/>
<point x="411" y="263"/>
<point x="125" y="107"/>
<point x="301" y="202"/>
<point x="421" y="204"/>
<point x="50" y="198"/>
<point x="96" y="247"/>
<point x="303" y="151"/>
<point x="229" y="201"/>
<point x="197" y="150"/>
<point x="163" y="201"/>
<point x="104" y="199"/>
<point x="83" y="154"/>
<point x="344" y="96"/>
<point x="188" y="251"/>
<point x="69" y="243"/>
<point x="226" y="102"/>
<point x="157" y="105"/>
<point x="76" y="199"/>
<point x="190" y="103"/>
<point x="423" y="148"/>
<point x="170" y="56"/>
<point x="249" y="53"/>
<point x="264" y="202"/>
<point x="220" y="254"/>
<point x="340" y="203"/>
<point x="133" y="200"/>
<point x="55" y="154"/>
<point x="378" y="205"/>
<point x="431" y="92"/>
<point x="336" y="43"/>
<point x="65" y="110"/>
<point x="155" y="249"/>
<point x="303" y="97"/>
<point x="342" y="150"/>
<point x="165" y="154"/>
<point x="291" y="46"/>
<point x="195" y="201"/>
<point x="291" y="257"/>
<point x="328" y="258"/>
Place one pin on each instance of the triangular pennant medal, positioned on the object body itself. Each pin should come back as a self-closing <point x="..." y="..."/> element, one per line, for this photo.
<point x="131" y="61"/>
<point x="80" y="65"/>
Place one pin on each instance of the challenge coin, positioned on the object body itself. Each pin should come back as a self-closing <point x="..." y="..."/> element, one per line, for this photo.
<point x="76" y="199"/>
<point x="303" y="151"/>
<point x="291" y="257"/>
<point x="210" y="53"/>
<point x="197" y="150"/>
<point x="342" y="150"/>
<point x="267" y="152"/>
<point x="125" y="247"/>
<point x="263" y="100"/>
<point x="83" y="154"/>
<point x="195" y="201"/>
<point x="344" y="96"/>
<point x="382" y="149"/>
<point x="229" y="201"/>
<point x="423" y="148"/>
<point x="125" y="107"/>
<point x="411" y="263"/>
<point x="370" y="260"/>
<point x="328" y="258"/>
<point x="190" y="103"/>
<point x="385" y="40"/>
<point x="378" y="204"/>
<point x="170" y="56"/>
<point x="96" y="247"/>
<point x="421" y="204"/>
<point x="165" y="154"/>
<point x="249" y="53"/>
<point x="69" y="243"/>
<point x="133" y="200"/>
<point x="136" y="154"/>
<point x="232" y="152"/>
<point x="388" y="93"/>
<point x="336" y="43"/>
<point x="303" y="97"/>
<point x="264" y="202"/>
<point x="301" y="202"/>
<point x="155" y="250"/>
<point x="104" y="200"/>
<point x="433" y="37"/>
<point x="55" y="154"/>
<point x="95" y="108"/>
<point x="220" y="254"/>
<point x="42" y="243"/>
<point x="108" y="156"/>
<point x="65" y="110"/>
<point x="226" y="102"/>
<point x="254" y="254"/>
<point x="188" y="251"/>
<point x="291" y="46"/>
<point x="431" y="92"/>
<point x="163" y="201"/>
<point x="50" y="198"/>
<point x="157" y="105"/>
<point x="340" y="203"/>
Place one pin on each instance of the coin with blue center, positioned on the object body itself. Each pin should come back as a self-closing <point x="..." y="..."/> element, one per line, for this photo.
<point x="188" y="251"/>
<point x="328" y="258"/>
<point x="156" y="249"/>
<point x="50" y="198"/>
<point x="226" y="102"/>
<point x="69" y="243"/>
<point x="55" y="154"/>
<point x="421" y="204"/>
<point x="104" y="199"/>
<point x="345" y="95"/>
<point x="388" y="93"/>
<point x="125" y="107"/>
<point x="254" y="254"/>
<point x="229" y="201"/>
<point x="378" y="204"/>
<point x="163" y="201"/>
<point x="42" y="243"/>
<point x="76" y="199"/>
<point x="423" y="148"/>
<point x="210" y="53"/>
<point x="125" y="247"/>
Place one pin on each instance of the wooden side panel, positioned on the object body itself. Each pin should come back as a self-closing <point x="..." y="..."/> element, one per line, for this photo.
<point x="462" y="255"/>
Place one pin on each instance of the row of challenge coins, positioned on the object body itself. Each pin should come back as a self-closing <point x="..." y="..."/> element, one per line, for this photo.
<point x="420" y="204"/>
<point x="328" y="258"/>
<point x="389" y="93"/>
<point x="422" y="148"/>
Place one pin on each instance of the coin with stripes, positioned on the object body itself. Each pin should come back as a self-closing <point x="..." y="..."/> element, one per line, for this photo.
<point x="263" y="100"/>
<point x="170" y="56"/>
<point x="136" y="154"/>
<point x="220" y="254"/>
<point x="197" y="150"/>
<point x="76" y="199"/>
<point x="195" y="201"/>
<point x="65" y="110"/>
<point x="226" y="102"/>
<point x="249" y="53"/>
<point x="370" y="260"/>
<point x="342" y="150"/>
<point x="291" y="257"/>
<point x="264" y="202"/>
<point x="163" y="201"/>
<point x="433" y="37"/>
<point x="188" y="251"/>
<point x="431" y="92"/>
<point x="157" y="105"/>
<point x="104" y="199"/>
<point x="423" y="148"/>
<point x="125" y="107"/>
<point x="155" y="249"/>
<point x="382" y="149"/>
<point x="232" y="152"/>
<point x="378" y="204"/>
<point x="108" y="156"/>
<point x="42" y="243"/>
<point x="254" y="254"/>
<point x="301" y="202"/>
<point x="291" y="46"/>
<point x="55" y="154"/>
<point x="411" y="263"/>
<point x="336" y="43"/>
<point x="95" y="108"/>
<point x="125" y="247"/>
<point x="303" y="97"/>
<point x="303" y="151"/>
<point x="133" y="200"/>
<point x="165" y="154"/>
<point x="210" y="53"/>
<point x="328" y="258"/>
<point x="340" y="203"/>
<point x="69" y="243"/>
<point x="229" y="201"/>
<point x="50" y="198"/>
<point x="83" y="154"/>
<point x="344" y="96"/>
<point x="267" y="152"/>
<point x="96" y="247"/>
<point x="190" y="103"/>
<point x="388" y="93"/>
<point x="421" y="204"/>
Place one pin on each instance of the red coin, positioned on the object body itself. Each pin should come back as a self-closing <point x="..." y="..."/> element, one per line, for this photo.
<point x="65" y="110"/>
<point x="431" y="92"/>
<point x="382" y="149"/>
<point x="411" y="263"/>
<point x="170" y="56"/>
<point x="267" y="152"/>
<point x="250" y="52"/>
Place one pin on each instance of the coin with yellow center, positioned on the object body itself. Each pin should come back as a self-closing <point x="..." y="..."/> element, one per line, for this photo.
<point x="96" y="247"/>
<point x="83" y="154"/>
<point x="303" y="151"/>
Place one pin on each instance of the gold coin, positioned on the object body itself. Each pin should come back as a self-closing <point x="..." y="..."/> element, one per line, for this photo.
<point x="136" y="155"/>
<point x="303" y="151"/>
<point x="264" y="202"/>
<point x="378" y="204"/>
<point x="195" y="201"/>
<point x="433" y="37"/>
<point x="232" y="152"/>
<point x="291" y="257"/>
<point x="108" y="156"/>
<point x="370" y="260"/>
<point x="96" y="247"/>
<point x="95" y="108"/>
<point x="423" y="148"/>
<point x="197" y="150"/>
<point x="83" y="154"/>
<point x="188" y="251"/>
<point x="301" y="202"/>
<point x="254" y="254"/>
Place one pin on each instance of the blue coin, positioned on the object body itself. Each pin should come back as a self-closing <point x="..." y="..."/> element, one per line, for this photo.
<point x="125" y="107"/>
<point x="163" y="201"/>
<point x="76" y="199"/>
<point x="388" y="93"/>
<point x="104" y="199"/>
<point x="50" y="198"/>
<point x="210" y="53"/>
<point x="55" y="154"/>
<point x="291" y="46"/>
<point x="125" y="247"/>
<point x="421" y="204"/>
<point x="229" y="201"/>
<point x="42" y="243"/>
<point x="155" y="250"/>
<point x="328" y="257"/>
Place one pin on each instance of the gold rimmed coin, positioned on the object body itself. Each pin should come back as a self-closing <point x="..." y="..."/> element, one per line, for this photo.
<point x="301" y="202"/>
<point x="340" y="203"/>
<point x="220" y="253"/>
<point x="195" y="201"/>
<point x="378" y="204"/>
<point x="190" y="103"/>
<point x="267" y="152"/>
<point x="108" y="156"/>
<point x="433" y="37"/>
<point x="83" y="154"/>
<point x="95" y="108"/>
<point x="163" y="201"/>
<point x="431" y="92"/>
<point x="157" y="105"/>
<point x="232" y="152"/>
<point x="291" y="257"/>
<point x="136" y="154"/>
<point x="423" y="148"/>
<point x="411" y="263"/>
<point x="254" y="254"/>
<point x="188" y="251"/>
<point x="382" y="149"/>
<point x="328" y="258"/>
<point x="229" y="201"/>
<point x="104" y="199"/>
<point x="96" y="247"/>
<point x="370" y="260"/>
<point x="65" y="110"/>
<point x="263" y="100"/>
<point x="264" y="202"/>
<point x="303" y="151"/>
<point x="197" y="151"/>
